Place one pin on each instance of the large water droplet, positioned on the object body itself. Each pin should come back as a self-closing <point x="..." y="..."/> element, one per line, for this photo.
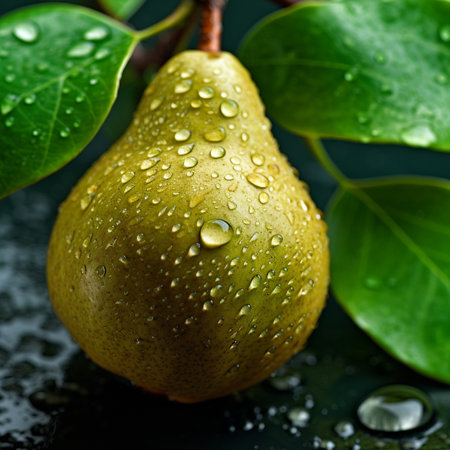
<point x="215" y="135"/>
<point x="190" y="162"/>
<point x="185" y="149"/>
<point x="206" y="92"/>
<point x="420" y="135"/>
<point x="182" y="135"/>
<point x="395" y="408"/>
<point x="215" y="233"/>
<point x="96" y="34"/>
<point x="217" y="152"/>
<point x="26" y="32"/>
<point x="80" y="50"/>
<point x="255" y="283"/>
<point x="276" y="240"/>
<point x="229" y="108"/>
<point x="182" y="87"/>
<point x="258" y="180"/>
<point x="258" y="159"/>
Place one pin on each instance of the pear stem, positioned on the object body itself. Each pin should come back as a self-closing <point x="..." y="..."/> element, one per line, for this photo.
<point x="211" y="30"/>
<point x="178" y="16"/>
<point x="318" y="150"/>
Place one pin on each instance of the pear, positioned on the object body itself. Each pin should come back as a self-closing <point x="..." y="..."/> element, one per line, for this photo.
<point x="190" y="259"/>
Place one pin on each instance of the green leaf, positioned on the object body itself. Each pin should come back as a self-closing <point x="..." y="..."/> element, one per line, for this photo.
<point x="390" y="267"/>
<point x="368" y="70"/>
<point x="60" y="67"/>
<point x="122" y="9"/>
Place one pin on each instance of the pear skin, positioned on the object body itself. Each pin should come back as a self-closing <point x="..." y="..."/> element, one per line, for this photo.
<point x="190" y="259"/>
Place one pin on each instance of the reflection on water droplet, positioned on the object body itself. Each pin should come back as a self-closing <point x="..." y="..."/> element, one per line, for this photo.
<point x="26" y="32"/>
<point x="206" y="92"/>
<point x="217" y="152"/>
<point x="80" y="50"/>
<point x="215" y="233"/>
<point x="229" y="108"/>
<point x="263" y="197"/>
<point x="100" y="271"/>
<point x="182" y="135"/>
<point x="96" y="34"/>
<point x="255" y="283"/>
<point x="29" y="99"/>
<point x="65" y="132"/>
<point x="80" y="98"/>
<point x="395" y="408"/>
<point x="182" y="87"/>
<point x="420" y="135"/>
<point x="245" y="309"/>
<point x="127" y="176"/>
<point x="190" y="162"/>
<point x="8" y="104"/>
<point x="276" y="240"/>
<point x="185" y="149"/>
<point x="351" y="74"/>
<point x="258" y="159"/>
<point x="298" y="416"/>
<point x="344" y="429"/>
<point x="215" y="135"/>
<point x="194" y="250"/>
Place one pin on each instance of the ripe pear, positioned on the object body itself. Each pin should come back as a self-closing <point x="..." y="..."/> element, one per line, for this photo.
<point x="190" y="259"/>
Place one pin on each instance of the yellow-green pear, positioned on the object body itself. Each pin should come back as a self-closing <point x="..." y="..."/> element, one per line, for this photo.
<point x="190" y="259"/>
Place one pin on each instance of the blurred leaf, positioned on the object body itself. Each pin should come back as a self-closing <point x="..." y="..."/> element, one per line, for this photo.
<point x="122" y="9"/>
<point x="390" y="268"/>
<point x="366" y="70"/>
<point x="60" y="67"/>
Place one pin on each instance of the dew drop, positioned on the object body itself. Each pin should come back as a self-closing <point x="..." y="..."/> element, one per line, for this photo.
<point x="229" y="108"/>
<point x="154" y="151"/>
<point x="81" y="50"/>
<point x="207" y="306"/>
<point x="395" y="408"/>
<point x="182" y="87"/>
<point x="285" y="382"/>
<point x="344" y="429"/>
<point x="419" y="135"/>
<point x="10" y="77"/>
<point x="26" y="32"/>
<point x="187" y="73"/>
<point x="96" y="34"/>
<point x="255" y="283"/>
<point x="185" y="149"/>
<point x="244" y="137"/>
<point x="444" y="33"/>
<point x="127" y="176"/>
<point x="276" y="240"/>
<point x="80" y="98"/>
<point x="215" y="233"/>
<point x="351" y="74"/>
<point x="217" y="152"/>
<point x="102" y="54"/>
<point x="190" y="162"/>
<point x="194" y="250"/>
<point x="263" y="197"/>
<point x="100" y="271"/>
<point x="9" y="121"/>
<point x="258" y="159"/>
<point x="215" y="135"/>
<point x="258" y="180"/>
<point x="85" y="201"/>
<point x="206" y="92"/>
<point x="8" y="104"/>
<point x="245" y="310"/>
<point x="299" y="416"/>
<point x="30" y="99"/>
<point x="64" y="133"/>
<point x="149" y="163"/>
<point x="156" y="102"/>
<point x="182" y="135"/>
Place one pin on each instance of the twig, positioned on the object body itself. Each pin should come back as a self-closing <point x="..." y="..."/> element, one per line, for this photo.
<point x="211" y="30"/>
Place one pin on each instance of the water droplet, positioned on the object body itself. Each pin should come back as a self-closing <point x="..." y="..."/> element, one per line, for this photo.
<point x="258" y="159"/>
<point x="263" y="197"/>
<point x="255" y="283"/>
<point x="96" y="34"/>
<point x="245" y="309"/>
<point x="80" y="50"/>
<point x="194" y="250"/>
<point x="207" y="306"/>
<point x="229" y="108"/>
<point x="245" y="137"/>
<point x="231" y="205"/>
<point x="190" y="162"/>
<point x="64" y="132"/>
<point x="206" y="92"/>
<point x="85" y="201"/>
<point x="93" y="81"/>
<point x="156" y="102"/>
<point x="149" y="163"/>
<point x="187" y="73"/>
<point x="154" y="151"/>
<point x="182" y="87"/>
<point x="444" y="33"/>
<point x="419" y="135"/>
<point x="215" y="233"/>
<point x="441" y="78"/>
<point x="372" y="283"/>
<point x="299" y="416"/>
<point x="395" y="408"/>
<point x="285" y="382"/>
<point x="182" y="135"/>
<point x="9" y="121"/>
<point x="100" y="271"/>
<point x="215" y="135"/>
<point x="102" y="53"/>
<point x="276" y="240"/>
<point x="344" y="429"/>
<point x="8" y="104"/>
<point x="29" y="99"/>
<point x="10" y="78"/>
<point x="80" y="98"/>
<point x="185" y="149"/>
<point x="258" y="180"/>
<point x="217" y="152"/>
<point x="26" y="32"/>
<point x="351" y="74"/>
<point x="127" y="176"/>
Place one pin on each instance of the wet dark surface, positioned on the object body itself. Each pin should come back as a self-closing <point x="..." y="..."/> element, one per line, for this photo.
<point x="53" y="397"/>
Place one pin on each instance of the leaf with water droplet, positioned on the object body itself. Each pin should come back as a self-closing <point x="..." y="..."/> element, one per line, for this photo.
<point x="45" y="100"/>
<point x="393" y="274"/>
<point x="378" y="81"/>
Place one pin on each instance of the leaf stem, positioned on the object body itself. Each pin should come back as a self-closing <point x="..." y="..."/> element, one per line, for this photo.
<point x="211" y="30"/>
<point x="318" y="150"/>
<point x="184" y="9"/>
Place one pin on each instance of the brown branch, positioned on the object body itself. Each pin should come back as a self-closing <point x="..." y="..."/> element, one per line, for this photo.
<point x="211" y="30"/>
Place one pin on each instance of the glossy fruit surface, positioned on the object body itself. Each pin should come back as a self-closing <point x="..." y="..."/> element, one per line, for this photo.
<point x="190" y="259"/>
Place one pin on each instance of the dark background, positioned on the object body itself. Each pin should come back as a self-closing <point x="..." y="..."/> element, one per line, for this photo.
<point x="52" y="396"/>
